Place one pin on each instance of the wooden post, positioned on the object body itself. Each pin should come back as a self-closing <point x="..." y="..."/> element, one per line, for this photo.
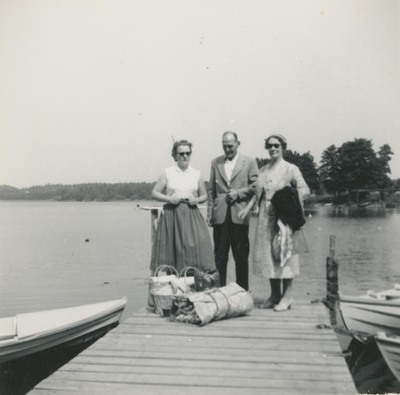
<point x="332" y="282"/>
<point x="154" y="214"/>
<point x="154" y="223"/>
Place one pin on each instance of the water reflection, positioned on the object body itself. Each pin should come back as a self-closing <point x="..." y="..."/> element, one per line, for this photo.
<point x="369" y="370"/>
<point x="356" y="212"/>
<point x="21" y="376"/>
<point x="370" y="373"/>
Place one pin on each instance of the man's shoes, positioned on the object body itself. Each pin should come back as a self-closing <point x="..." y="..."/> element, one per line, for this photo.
<point x="284" y="304"/>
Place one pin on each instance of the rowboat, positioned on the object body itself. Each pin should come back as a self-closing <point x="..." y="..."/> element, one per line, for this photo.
<point x="366" y="315"/>
<point x="29" y="333"/>
<point x="390" y="349"/>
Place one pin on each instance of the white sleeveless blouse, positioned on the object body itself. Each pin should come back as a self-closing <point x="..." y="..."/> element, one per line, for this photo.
<point x="182" y="184"/>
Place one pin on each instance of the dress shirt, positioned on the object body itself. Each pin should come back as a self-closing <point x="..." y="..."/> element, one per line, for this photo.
<point x="229" y="166"/>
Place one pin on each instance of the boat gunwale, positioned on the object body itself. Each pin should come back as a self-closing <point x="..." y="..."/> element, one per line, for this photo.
<point x="17" y="340"/>
<point x="9" y="350"/>
<point x="369" y="300"/>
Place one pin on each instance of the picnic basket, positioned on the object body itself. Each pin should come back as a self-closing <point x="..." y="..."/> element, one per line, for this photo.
<point x="185" y="282"/>
<point x="163" y="298"/>
<point x="159" y="281"/>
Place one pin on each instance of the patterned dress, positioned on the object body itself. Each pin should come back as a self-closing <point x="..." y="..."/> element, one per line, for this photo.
<point x="182" y="237"/>
<point x="270" y="180"/>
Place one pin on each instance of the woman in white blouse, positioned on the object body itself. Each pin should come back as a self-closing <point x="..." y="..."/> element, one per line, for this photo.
<point x="182" y="238"/>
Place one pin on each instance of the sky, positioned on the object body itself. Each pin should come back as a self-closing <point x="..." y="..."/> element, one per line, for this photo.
<point x="95" y="90"/>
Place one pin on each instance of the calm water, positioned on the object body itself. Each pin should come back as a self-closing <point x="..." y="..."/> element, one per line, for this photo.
<point x="58" y="254"/>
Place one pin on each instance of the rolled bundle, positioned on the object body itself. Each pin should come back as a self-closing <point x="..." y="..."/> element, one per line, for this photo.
<point x="215" y="304"/>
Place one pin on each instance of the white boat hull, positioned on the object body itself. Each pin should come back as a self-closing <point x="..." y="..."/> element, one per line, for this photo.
<point x="390" y="349"/>
<point x="35" y="332"/>
<point x="365" y="316"/>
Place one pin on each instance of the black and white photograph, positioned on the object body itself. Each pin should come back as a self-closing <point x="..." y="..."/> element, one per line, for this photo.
<point x="199" y="197"/>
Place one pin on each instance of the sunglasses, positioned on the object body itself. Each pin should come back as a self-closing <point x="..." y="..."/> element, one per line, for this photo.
<point x="268" y="146"/>
<point x="184" y="153"/>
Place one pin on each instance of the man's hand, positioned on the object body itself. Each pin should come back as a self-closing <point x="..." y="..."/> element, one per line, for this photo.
<point x="209" y="222"/>
<point x="232" y="196"/>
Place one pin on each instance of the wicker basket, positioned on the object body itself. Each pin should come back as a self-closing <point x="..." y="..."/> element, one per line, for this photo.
<point x="157" y="281"/>
<point x="162" y="301"/>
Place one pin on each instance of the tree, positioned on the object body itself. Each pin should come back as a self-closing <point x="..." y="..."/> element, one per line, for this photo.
<point x="262" y="162"/>
<point x="382" y="167"/>
<point x="305" y="162"/>
<point x="355" y="165"/>
<point x="329" y="170"/>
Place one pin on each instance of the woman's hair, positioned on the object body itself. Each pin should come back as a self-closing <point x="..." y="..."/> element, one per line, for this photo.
<point x="178" y="144"/>
<point x="279" y="137"/>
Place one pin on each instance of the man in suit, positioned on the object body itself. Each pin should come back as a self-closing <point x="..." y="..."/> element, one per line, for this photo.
<point x="231" y="185"/>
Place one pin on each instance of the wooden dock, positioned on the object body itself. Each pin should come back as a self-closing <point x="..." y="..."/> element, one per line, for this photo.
<point x="291" y="352"/>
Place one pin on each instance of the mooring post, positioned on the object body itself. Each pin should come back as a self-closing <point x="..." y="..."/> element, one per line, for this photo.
<point x="332" y="282"/>
<point x="154" y="223"/>
<point x="154" y="214"/>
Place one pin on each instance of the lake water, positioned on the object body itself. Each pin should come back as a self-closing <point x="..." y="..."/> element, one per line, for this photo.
<point x="59" y="254"/>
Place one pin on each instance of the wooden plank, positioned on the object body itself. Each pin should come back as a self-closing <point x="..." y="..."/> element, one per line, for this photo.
<point x="202" y="370"/>
<point x="151" y="389"/>
<point x="218" y="343"/>
<point x="264" y="352"/>
<point x="232" y="381"/>
<point x="231" y="356"/>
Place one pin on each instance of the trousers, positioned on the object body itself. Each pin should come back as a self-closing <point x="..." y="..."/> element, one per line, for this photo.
<point x="235" y="236"/>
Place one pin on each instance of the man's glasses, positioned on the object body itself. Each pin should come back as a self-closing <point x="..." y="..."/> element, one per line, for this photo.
<point x="268" y="146"/>
<point x="184" y="153"/>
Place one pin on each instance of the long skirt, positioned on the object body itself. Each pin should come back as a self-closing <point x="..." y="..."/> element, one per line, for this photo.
<point x="182" y="239"/>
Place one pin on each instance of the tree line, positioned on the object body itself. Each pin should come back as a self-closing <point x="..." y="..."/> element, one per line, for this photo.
<point x="80" y="192"/>
<point x="352" y="166"/>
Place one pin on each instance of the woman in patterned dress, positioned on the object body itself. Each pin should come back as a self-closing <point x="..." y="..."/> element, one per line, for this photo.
<point x="182" y="238"/>
<point x="275" y="176"/>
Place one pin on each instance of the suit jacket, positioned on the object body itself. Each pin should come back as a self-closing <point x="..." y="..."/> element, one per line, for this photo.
<point x="244" y="177"/>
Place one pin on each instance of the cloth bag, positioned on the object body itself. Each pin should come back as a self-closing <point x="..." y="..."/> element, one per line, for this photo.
<point x="200" y="308"/>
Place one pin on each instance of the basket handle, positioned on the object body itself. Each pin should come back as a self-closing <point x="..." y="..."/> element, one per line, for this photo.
<point x="166" y="267"/>
<point x="186" y="269"/>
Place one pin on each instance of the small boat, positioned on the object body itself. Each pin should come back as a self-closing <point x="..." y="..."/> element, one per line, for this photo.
<point x="365" y="204"/>
<point x="366" y="315"/>
<point x="29" y="333"/>
<point x="390" y="349"/>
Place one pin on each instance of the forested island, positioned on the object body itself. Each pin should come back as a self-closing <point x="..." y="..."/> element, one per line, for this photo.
<point x="103" y="192"/>
<point x="349" y="172"/>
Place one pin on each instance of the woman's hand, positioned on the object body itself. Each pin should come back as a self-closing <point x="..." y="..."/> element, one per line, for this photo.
<point x="243" y="213"/>
<point x="175" y="200"/>
<point x="256" y="209"/>
<point x="192" y="201"/>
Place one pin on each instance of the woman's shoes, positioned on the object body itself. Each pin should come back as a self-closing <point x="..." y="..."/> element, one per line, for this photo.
<point x="269" y="304"/>
<point x="284" y="304"/>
